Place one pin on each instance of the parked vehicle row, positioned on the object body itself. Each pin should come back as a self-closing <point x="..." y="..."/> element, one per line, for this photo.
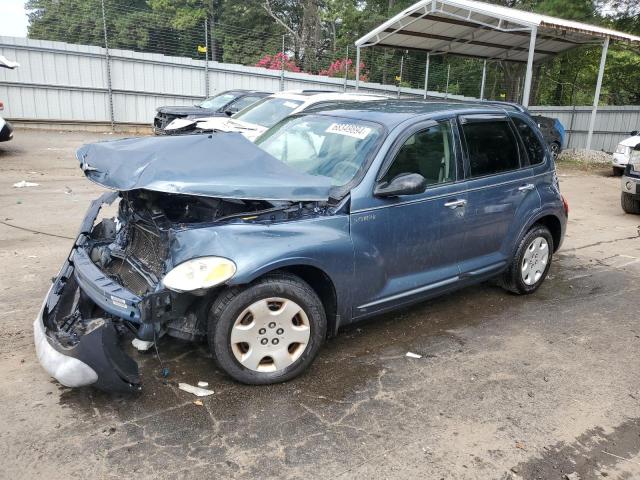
<point x="220" y="105"/>
<point x="334" y="214"/>
<point x="257" y="118"/>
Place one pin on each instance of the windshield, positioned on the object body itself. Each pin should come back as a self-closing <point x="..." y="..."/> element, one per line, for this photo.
<point x="332" y="147"/>
<point x="268" y="111"/>
<point x="217" y="101"/>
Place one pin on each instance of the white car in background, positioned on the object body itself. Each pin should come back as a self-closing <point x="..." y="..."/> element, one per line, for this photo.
<point x="262" y="115"/>
<point x="623" y="152"/>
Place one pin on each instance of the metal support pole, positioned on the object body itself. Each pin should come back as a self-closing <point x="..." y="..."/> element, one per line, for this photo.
<point x="282" y="65"/>
<point x="446" y="88"/>
<point x="426" y="75"/>
<point x="357" y="68"/>
<point x="346" y="69"/>
<point x="206" y="57"/>
<point x="596" y="97"/>
<point x="484" y="79"/>
<point x="527" y="79"/>
<point x="401" y="68"/>
<point x="108" y="60"/>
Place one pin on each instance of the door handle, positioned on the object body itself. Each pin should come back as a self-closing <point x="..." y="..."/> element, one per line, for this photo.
<point x="453" y="204"/>
<point x="526" y="187"/>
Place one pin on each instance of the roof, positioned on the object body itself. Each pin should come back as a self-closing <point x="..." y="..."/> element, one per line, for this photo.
<point x="310" y="97"/>
<point x="391" y="113"/>
<point x="482" y="30"/>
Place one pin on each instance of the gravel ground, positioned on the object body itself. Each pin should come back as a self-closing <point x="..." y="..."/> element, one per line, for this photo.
<point x="507" y="388"/>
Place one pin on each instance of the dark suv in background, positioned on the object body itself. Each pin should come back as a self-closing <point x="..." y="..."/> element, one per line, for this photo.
<point x="223" y="104"/>
<point x="267" y="249"/>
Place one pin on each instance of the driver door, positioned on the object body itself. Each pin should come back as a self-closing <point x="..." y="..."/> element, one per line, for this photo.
<point x="408" y="247"/>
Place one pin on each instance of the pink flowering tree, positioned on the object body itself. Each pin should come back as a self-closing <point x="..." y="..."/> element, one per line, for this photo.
<point x="275" y="62"/>
<point x="338" y="67"/>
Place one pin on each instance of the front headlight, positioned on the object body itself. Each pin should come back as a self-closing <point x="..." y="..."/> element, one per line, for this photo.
<point x="203" y="272"/>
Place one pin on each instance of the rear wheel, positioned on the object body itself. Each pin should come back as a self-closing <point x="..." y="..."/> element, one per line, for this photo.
<point x="630" y="203"/>
<point x="555" y="149"/>
<point x="268" y="332"/>
<point x="531" y="263"/>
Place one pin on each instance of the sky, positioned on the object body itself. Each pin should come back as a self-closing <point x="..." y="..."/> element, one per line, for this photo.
<point x="13" y="18"/>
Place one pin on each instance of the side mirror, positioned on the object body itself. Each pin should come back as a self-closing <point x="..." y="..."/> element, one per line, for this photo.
<point x="634" y="133"/>
<point x="403" y="184"/>
<point x="228" y="113"/>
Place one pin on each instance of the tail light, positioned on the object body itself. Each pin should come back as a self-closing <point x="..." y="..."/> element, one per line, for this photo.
<point x="565" y="205"/>
<point x="1" y="105"/>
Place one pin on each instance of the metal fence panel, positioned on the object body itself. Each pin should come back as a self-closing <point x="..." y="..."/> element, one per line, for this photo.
<point x="68" y="82"/>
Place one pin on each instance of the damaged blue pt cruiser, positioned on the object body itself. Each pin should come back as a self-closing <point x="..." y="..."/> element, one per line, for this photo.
<point x="267" y="249"/>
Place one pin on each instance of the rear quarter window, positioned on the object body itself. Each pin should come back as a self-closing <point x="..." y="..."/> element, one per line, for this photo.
<point x="535" y="150"/>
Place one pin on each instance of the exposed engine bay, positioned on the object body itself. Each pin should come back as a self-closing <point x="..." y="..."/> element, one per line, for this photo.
<point x="133" y="247"/>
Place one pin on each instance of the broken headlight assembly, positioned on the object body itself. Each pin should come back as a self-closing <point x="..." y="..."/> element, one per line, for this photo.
<point x="199" y="273"/>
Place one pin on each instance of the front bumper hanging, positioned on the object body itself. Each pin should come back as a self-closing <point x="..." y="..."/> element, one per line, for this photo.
<point x="73" y="344"/>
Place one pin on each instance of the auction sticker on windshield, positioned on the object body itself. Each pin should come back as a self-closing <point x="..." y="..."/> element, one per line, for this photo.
<point x="349" y="129"/>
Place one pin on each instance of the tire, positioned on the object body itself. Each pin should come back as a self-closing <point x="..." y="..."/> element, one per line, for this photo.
<point x="514" y="279"/>
<point x="555" y="150"/>
<point x="630" y="203"/>
<point x="617" y="172"/>
<point x="245" y="313"/>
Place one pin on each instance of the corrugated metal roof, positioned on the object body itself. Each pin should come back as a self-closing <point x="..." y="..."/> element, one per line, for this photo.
<point x="483" y="30"/>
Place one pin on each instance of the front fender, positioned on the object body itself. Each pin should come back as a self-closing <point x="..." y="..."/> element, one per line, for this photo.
<point x="323" y="242"/>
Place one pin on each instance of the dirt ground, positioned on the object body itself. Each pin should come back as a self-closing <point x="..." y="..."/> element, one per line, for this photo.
<point x="508" y="387"/>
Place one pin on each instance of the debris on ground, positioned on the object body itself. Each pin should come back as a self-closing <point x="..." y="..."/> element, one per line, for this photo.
<point x="141" y="345"/>
<point x="571" y="476"/>
<point x="203" y="384"/>
<point x="413" y="355"/>
<point x="67" y="190"/>
<point x="520" y="445"/>
<point x="198" y="403"/>
<point x="164" y="372"/>
<point x="197" y="391"/>
<point x="24" y="183"/>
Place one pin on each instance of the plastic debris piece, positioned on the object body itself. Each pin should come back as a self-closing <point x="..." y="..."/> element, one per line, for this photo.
<point x="413" y="355"/>
<point x="164" y="372"/>
<point x="141" y="345"/>
<point x="24" y="183"/>
<point x="198" y="403"/>
<point x="572" y="476"/>
<point x="197" y="391"/>
<point x="203" y="384"/>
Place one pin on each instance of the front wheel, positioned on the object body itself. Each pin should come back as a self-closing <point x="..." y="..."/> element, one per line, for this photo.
<point x="555" y="150"/>
<point x="268" y="332"/>
<point x="617" y="172"/>
<point x="531" y="262"/>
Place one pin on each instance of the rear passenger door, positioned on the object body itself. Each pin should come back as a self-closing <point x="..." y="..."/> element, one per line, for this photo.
<point x="500" y="190"/>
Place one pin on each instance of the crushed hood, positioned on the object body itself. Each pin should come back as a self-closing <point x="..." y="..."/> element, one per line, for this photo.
<point x="223" y="165"/>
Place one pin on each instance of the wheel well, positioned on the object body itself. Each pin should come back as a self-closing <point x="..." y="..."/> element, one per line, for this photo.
<point x="323" y="286"/>
<point x="554" y="226"/>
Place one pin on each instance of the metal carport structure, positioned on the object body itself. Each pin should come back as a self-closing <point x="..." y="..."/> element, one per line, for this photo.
<point x="475" y="29"/>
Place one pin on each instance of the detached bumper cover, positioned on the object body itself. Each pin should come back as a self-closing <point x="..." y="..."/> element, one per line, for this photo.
<point x="76" y="350"/>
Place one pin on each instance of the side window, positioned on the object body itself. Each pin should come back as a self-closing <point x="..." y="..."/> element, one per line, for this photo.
<point x="491" y="146"/>
<point x="428" y="152"/>
<point x="535" y="150"/>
